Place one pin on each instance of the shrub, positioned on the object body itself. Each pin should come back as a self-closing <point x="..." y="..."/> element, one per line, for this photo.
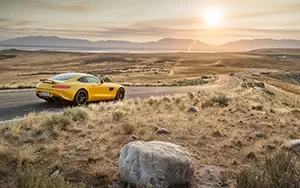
<point x="15" y="129"/>
<point x="106" y="79"/>
<point x="268" y="92"/>
<point x="190" y="82"/>
<point x="76" y="113"/>
<point x="258" y="108"/>
<point x="151" y="101"/>
<point x="128" y="128"/>
<point x="220" y="100"/>
<point x="253" y="84"/>
<point x="280" y="171"/>
<point x="57" y="121"/>
<point x="28" y="178"/>
<point x="117" y="115"/>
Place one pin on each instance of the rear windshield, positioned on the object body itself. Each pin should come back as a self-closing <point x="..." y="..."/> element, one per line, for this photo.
<point x="63" y="77"/>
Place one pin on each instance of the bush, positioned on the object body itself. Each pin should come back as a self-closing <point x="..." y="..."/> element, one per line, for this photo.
<point x="28" y="178"/>
<point x="190" y="82"/>
<point x="220" y="100"/>
<point x="280" y="171"/>
<point x="117" y="115"/>
<point x="76" y="113"/>
<point x="253" y="84"/>
<point x="106" y="79"/>
<point x="58" y="121"/>
<point x="128" y="128"/>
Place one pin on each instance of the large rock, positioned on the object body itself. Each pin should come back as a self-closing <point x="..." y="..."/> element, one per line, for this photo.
<point x="155" y="164"/>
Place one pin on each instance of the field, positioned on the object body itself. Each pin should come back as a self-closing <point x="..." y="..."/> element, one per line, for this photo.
<point x="235" y="128"/>
<point x="21" y="69"/>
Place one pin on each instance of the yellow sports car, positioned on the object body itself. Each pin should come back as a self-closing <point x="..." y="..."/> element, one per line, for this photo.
<point x="78" y="88"/>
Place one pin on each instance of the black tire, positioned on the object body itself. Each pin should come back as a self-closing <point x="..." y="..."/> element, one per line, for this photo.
<point x="120" y="94"/>
<point x="81" y="98"/>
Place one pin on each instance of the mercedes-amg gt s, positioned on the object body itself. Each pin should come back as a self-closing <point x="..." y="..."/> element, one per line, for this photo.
<point x="78" y="88"/>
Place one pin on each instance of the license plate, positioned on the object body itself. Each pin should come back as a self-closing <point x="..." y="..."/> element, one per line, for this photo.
<point x="45" y="94"/>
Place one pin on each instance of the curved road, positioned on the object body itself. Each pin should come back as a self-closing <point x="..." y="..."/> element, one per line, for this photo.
<point x="17" y="103"/>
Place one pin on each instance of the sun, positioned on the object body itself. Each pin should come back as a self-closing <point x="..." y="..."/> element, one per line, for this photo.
<point x="213" y="16"/>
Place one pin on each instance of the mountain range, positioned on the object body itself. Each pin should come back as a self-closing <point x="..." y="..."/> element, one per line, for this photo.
<point x="163" y="44"/>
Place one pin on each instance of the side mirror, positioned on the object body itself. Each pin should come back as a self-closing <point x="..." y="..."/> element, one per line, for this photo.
<point x="101" y="81"/>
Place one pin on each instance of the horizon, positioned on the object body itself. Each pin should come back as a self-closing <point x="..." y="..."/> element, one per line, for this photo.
<point x="212" y="22"/>
<point x="150" y="40"/>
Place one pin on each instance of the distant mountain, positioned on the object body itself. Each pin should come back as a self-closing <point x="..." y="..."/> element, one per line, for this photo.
<point x="163" y="44"/>
<point x="44" y="41"/>
<point x="246" y="45"/>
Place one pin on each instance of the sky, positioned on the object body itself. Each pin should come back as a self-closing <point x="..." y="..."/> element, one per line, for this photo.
<point x="210" y="21"/>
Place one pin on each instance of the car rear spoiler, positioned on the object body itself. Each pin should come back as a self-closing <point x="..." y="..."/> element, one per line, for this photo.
<point x="48" y="81"/>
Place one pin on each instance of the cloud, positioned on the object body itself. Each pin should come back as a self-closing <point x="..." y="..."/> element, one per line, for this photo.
<point x="266" y="11"/>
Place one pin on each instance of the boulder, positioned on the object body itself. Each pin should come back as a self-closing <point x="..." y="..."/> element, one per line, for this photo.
<point x="155" y="164"/>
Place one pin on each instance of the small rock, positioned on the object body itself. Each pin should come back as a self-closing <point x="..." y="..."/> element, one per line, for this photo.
<point x="257" y="134"/>
<point x="54" y="174"/>
<point x="265" y="124"/>
<point x="270" y="147"/>
<point x="240" y="110"/>
<point x="217" y="134"/>
<point x="193" y="109"/>
<point x="292" y="144"/>
<point x="134" y="137"/>
<point x="234" y="162"/>
<point x="163" y="131"/>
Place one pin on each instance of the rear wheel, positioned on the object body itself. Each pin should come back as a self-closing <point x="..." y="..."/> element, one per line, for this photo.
<point x="120" y="94"/>
<point x="81" y="98"/>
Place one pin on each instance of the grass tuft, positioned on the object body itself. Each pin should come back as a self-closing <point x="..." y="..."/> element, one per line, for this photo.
<point x="280" y="171"/>
<point x="128" y="128"/>
<point x="219" y="100"/>
<point x="117" y="115"/>
<point x="28" y="178"/>
<point x="76" y="113"/>
<point x="56" y="121"/>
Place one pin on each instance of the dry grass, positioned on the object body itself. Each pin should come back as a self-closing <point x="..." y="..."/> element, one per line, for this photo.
<point x="280" y="171"/>
<point x="83" y="143"/>
<point x="29" y="178"/>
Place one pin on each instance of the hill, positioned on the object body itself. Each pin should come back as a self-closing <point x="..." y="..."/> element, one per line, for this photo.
<point x="163" y="44"/>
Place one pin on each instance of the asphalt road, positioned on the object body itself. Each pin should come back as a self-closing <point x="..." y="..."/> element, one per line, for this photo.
<point x="17" y="103"/>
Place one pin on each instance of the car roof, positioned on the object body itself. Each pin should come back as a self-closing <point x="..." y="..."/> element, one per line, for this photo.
<point x="77" y="74"/>
<point x="68" y="76"/>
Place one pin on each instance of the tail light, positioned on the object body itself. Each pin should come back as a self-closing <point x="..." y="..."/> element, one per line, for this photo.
<point x="61" y="87"/>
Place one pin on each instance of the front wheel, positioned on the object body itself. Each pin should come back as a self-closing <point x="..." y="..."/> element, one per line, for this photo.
<point x="81" y="98"/>
<point x="120" y="94"/>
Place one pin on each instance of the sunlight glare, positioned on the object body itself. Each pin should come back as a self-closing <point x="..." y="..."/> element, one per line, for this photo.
<point x="213" y="16"/>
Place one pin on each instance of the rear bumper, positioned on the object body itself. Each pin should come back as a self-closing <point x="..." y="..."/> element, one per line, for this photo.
<point x="54" y="98"/>
<point x="54" y="95"/>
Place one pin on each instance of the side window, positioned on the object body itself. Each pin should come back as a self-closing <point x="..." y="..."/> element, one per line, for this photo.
<point x="83" y="80"/>
<point x="92" y="79"/>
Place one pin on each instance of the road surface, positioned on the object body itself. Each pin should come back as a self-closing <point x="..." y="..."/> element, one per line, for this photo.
<point x="17" y="103"/>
